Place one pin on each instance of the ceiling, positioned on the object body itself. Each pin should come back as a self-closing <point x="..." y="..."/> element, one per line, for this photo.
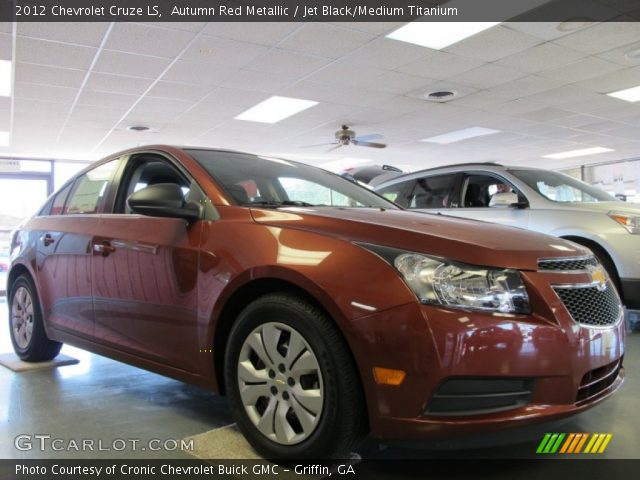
<point x="78" y="86"/>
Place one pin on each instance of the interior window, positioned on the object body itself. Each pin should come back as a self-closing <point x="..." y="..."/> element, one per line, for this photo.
<point x="151" y="171"/>
<point x="89" y="189"/>
<point x="481" y="191"/>
<point x="432" y="192"/>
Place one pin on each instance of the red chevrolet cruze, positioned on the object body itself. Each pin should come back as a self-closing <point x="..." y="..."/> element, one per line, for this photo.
<point x="323" y="311"/>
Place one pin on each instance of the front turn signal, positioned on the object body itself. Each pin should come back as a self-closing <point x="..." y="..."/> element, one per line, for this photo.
<point x="388" y="376"/>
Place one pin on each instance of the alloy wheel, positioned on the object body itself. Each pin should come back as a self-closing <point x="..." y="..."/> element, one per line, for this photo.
<point x="22" y="317"/>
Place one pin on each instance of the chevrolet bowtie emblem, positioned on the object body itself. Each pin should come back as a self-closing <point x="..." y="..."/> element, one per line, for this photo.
<point x="598" y="277"/>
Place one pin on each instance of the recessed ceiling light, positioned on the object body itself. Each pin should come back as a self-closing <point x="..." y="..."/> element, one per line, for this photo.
<point x="578" y="153"/>
<point x="633" y="54"/>
<point x="574" y="24"/>
<point x="459" y="135"/>
<point x="438" y="35"/>
<point x="629" y="94"/>
<point x="4" y="139"/>
<point x="138" y="128"/>
<point x="274" y="109"/>
<point x="5" y="78"/>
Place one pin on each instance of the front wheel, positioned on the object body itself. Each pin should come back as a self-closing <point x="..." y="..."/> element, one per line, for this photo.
<point x="293" y="388"/>
<point x="26" y="325"/>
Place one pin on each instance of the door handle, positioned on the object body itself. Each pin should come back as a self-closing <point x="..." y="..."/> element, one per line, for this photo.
<point x="105" y="248"/>
<point x="47" y="240"/>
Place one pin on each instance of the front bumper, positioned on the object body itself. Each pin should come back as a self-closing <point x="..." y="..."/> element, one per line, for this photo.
<point x="547" y="350"/>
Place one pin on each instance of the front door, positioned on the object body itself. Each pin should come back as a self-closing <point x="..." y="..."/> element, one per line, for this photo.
<point x="145" y="272"/>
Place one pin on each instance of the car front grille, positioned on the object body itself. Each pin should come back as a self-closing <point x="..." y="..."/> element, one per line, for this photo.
<point x="598" y="380"/>
<point x="591" y="306"/>
<point x="476" y="396"/>
<point x="567" y="264"/>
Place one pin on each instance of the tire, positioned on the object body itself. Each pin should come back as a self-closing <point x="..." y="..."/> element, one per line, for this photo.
<point x="26" y="325"/>
<point x="304" y="398"/>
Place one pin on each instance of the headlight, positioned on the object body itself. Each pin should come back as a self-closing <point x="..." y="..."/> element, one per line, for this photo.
<point x="627" y="220"/>
<point x="443" y="282"/>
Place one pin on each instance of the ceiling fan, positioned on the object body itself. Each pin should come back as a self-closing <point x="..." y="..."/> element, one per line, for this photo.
<point x="346" y="136"/>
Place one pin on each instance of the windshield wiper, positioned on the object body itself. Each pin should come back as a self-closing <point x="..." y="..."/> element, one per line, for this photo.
<point x="274" y="204"/>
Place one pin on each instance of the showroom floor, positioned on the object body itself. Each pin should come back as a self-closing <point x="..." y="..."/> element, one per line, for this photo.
<point x="105" y="400"/>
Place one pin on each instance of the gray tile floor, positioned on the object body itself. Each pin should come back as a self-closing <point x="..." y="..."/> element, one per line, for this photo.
<point x="116" y="404"/>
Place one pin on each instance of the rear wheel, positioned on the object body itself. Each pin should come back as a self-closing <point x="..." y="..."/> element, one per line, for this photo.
<point x="26" y="326"/>
<point x="293" y="388"/>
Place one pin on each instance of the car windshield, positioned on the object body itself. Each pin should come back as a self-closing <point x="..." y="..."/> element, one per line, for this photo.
<point x="559" y="187"/>
<point x="268" y="182"/>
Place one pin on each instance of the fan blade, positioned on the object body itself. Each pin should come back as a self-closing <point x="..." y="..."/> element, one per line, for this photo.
<point x="366" y="138"/>
<point x="368" y="144"/>
<point x="335" y="148"/>
<point x="318" y="145"/>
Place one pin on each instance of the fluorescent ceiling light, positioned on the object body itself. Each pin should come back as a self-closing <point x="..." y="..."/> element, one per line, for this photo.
<point x="630" y="94"/>
<point x="459" y="135"/>
<point x="4" y="139"/>
<point x="438" y="35"/>
<point x="578" y="153"/>
<point x="5" y="78"/>
<point x="274" y="109"/>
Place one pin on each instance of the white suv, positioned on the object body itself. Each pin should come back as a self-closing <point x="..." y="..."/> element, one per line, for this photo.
<point x="541" y="200"/>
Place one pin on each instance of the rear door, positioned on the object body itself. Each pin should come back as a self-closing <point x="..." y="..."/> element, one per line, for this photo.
<point x="145" y="272"/>
<point x="64" y="250"/>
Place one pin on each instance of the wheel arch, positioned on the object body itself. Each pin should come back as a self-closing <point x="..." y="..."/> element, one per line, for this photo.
<point x="259" y="283"/>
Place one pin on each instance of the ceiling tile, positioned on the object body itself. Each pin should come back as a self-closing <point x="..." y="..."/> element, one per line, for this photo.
<point x="246" y="79"/>
<point x="6" y="46"/>
<point x="45" y="92"/>
<point x="142" y="39"/>
<point x="6" y="27"/>
<point x="186" y="26"/>
<point x="79" y="33"/>
<point x="60" y="77"/>
<point x="288" y="63"/>
<point x="493" y="44"/>
<point x="439" y="65"/>
<point x="325" y="40"/>
<point x="397" y="83"/>
<point x="178" y="91"/>
<point x="106" y="82"/>
<point x="525" y="86"/>
<point x="269" y="33"/>
<point x="376" y="28"/>
<point x="198" y="73"/>
<point x="222" y="51"/>
<point x="104" y="99"/>
<point x="612" y="82"/>
<point x="602" y="37"/>
<point x="541" y="57"/>
<point x="386" y="53"/>
<point x="582" y="70"/>
<point x="41" y="52"/>
<point x="120" y="63"/>
<point x="543" y="30"/>
<point x="346" y="74"/>
<point x="488" y="76"/>
<point x="545" y="114"/>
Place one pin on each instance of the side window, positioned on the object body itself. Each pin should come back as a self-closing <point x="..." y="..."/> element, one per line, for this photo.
<point x="147" y="171"/>
<point x="89" y="189"/>
<point x="398" y="192"/>
<point x="59" y="200"/>
<point x="482" y="191"/>
<point x="432" y="192"/>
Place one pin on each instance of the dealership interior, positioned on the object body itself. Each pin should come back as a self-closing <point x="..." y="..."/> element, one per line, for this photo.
<point x="559" y="96"/>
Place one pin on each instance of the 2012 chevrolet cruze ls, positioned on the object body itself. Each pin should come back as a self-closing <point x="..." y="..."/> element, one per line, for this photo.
<point x="322" y="310"/>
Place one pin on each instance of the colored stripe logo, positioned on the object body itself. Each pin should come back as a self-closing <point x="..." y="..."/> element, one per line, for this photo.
<point x="570" y="443"/>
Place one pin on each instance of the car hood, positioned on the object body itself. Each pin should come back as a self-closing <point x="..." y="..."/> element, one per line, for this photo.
<point x="467" y="241"/>
<point x="602" y="207"/>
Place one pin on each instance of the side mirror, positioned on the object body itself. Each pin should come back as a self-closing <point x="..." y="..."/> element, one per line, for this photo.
<point x="163" y="200"/>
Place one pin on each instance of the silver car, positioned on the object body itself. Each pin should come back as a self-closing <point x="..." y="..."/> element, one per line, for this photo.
<point x="541" y="200"/>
